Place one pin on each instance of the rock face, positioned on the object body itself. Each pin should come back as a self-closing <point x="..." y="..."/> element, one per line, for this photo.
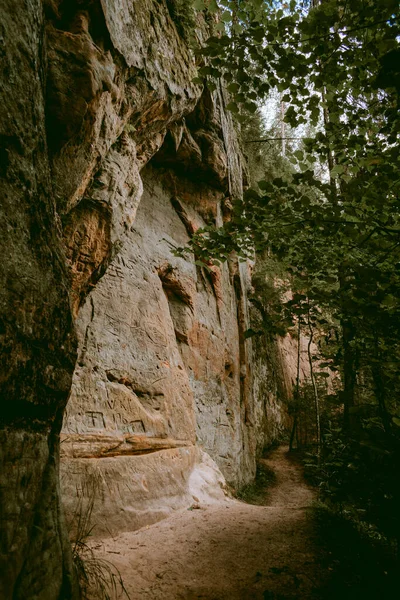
<point x="159" y="365"/>
<point x="111" y="158"/>
<point x="163" y="372"/>
<point x="37" y="338"/>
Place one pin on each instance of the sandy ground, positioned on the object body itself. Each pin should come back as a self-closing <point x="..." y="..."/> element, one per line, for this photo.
<point x="229" y="551"/>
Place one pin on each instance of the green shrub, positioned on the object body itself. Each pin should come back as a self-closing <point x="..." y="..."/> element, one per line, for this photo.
<point x="360" y="565"/>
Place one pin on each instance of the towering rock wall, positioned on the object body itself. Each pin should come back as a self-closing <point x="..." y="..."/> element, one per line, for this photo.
<point x="37" y="338"/>
<point x="111" y="157"/>
<point x="163" y="373"/>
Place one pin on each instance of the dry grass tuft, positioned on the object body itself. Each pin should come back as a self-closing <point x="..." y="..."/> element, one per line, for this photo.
<point x="98" y="578"/>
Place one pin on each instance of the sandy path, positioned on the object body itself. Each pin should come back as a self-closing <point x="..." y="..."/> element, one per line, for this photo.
<point x="229" y="551"/>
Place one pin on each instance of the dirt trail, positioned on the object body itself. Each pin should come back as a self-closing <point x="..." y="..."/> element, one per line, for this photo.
<point x="232" y="551"/>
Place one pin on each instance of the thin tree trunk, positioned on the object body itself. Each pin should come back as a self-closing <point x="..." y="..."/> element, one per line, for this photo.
<point x="297" y="389"/>
<point x="293" y="432"/>
<point x="283" y="128"/>
<point x="298" y="359"/>
<point x="349" y="373"/>
<point x="349" y="363"/>
<point x="313" y="382"/>
<point x="380" y="389"/>
<point x="330" y="156"/>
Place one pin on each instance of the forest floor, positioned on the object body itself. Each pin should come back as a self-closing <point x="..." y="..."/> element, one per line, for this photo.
<point x="235" y="550"/>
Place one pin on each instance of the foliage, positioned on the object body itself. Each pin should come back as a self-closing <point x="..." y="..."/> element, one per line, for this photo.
<point x="360" y="477"/>
<point x="270" y="285"/>
<point x="337" y="234"/>
<point x="302" y="406"/>
<point x="263" y="157"/>
<point x="360" y="565"/>
<point x="332" y="220"/>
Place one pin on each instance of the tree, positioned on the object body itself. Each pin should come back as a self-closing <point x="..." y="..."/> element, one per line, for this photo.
<point x="334" y="65"/>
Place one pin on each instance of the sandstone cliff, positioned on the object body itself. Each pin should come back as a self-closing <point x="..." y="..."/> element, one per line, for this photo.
<point x="163" y="371"/>
<point x="111" y="157"/>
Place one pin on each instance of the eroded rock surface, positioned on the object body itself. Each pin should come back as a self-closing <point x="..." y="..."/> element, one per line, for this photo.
<point x="163" y="363"/>
<point x="37" y="338"/>
<point x="160" y="359"/>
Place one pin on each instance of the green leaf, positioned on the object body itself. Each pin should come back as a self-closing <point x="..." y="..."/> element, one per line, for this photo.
<point x="233" y="87"/>
<point x="226" y="16"/>
<point x="219" y="27"/>
<point x="299" y="154"/>
<point x="251" y="107"/>
<point x="264" y="185"/>
<point x="237" y="28"/>
<point x="232" y="107"/>
<point x="337" y="170"/>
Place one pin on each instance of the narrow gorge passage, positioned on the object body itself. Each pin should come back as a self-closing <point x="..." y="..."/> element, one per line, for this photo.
<point x="231" y="550"/>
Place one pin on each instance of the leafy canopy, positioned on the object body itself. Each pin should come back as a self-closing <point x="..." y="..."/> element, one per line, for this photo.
<point x="337" y="67"/>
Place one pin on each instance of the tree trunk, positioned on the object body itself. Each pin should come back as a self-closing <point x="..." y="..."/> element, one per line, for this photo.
<point x="313" y="382"/>
<point x="349" y="374"/>
<point x="380" y="388"/>
<point x="296" y="390"/>
<point x="293" y="432"/>
<point x="283" y="132"/>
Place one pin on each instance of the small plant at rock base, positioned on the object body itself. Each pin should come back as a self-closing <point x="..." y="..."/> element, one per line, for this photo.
<point x="98" y="578"/>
